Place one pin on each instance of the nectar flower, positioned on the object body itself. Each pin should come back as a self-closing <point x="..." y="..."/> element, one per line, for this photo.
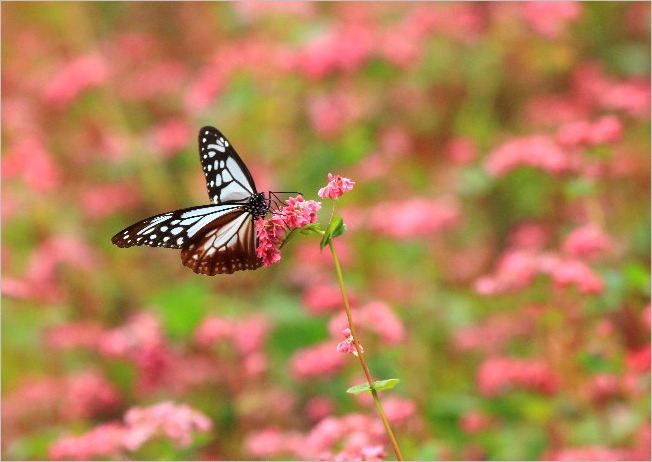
<point x="337" y="185"/>
<point x="297" y="213"/>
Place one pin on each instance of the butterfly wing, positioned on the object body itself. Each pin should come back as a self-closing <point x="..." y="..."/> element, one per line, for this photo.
<point x="171" y="229"/>
<point x="227" y="177"/>
<point x="223" y="246"/>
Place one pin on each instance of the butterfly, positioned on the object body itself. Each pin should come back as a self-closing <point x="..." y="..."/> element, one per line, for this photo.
<point x="214" y="239"/>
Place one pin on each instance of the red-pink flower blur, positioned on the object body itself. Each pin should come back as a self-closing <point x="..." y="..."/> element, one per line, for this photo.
<point x="497" y="375"/>
<point x="337" y="185"/>
<point x="536" y="151"/>
<point x="317" y="361"/>
<point x="550" y="18"/>
<point x="588" y="241"/>
<point x="177" y="423"/>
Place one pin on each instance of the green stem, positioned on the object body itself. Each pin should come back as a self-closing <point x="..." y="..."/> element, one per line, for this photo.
<point x="360" y="355"/>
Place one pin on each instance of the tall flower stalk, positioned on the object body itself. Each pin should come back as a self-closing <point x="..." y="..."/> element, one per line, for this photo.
<point x="300" y="215"/>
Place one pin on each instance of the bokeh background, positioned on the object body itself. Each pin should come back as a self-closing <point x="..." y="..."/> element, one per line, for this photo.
<point x="498" y="244"/>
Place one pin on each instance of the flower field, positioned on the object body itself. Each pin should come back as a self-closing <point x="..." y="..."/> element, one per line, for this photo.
<point x="490" y="162"/>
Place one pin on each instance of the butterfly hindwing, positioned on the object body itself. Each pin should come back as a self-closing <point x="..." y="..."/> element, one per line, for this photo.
<point x="225" y="245"/>
<point x="171" y="229"/>
<point x="227" y="177"/>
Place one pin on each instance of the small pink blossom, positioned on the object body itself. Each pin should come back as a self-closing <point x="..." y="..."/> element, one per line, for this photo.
<point x="337" y="185"/>
<point x="348" y="345"/>
<point x="299" y="212"/>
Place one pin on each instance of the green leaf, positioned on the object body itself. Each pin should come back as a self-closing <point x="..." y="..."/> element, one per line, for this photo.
<point x="379" y="385"/>
<point x="388" y="384"/>
<point x="335" y="228"/>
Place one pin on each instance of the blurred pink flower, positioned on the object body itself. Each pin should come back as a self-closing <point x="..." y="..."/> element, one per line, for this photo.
<point x="337" y="185"/>
<point x="550" y="19"/>
<point x="605" y="130"/>
<point x="212" y="330"/>
<point x="638" y="361"/>
<point x="462" y="151"/>
<point x="88" y="394"/>
<point x="317" y="361"/>
<point x="170" y="136"/>
<point x="565" y="272"/>
<point x="324" y="298"/>
<point x="588" y="241"/>
<point x="272" y="443"/>
<point x="376" y="316"/>
<point x="399" y="409"/>
<point x="492" y="334"/>
<point x="141" y="341"/>
<point x="529" y="236"/>
<point x="536" y="151"/>
<point x="176" y="422"/>
<point x="103" y="441"/>
<point x="33" y="163"/>
<point x="591" y="453"/>
<point x="319" y="408"/>
<point x="604" y="387"/>
<point x="331" y="113"/>
<point x="417" y="217"/>
<point x="250" y="334"/>
<point x="473" y="422"/>
<point x="497" y="375"/>
<point x="100" y="201"/>
<point x="75" y="77"/>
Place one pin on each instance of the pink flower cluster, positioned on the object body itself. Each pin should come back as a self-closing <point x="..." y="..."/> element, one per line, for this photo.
<point x="607" y="129"/>
<point x="351" y="437"/>
<point x="176" y="423"/>
<point x="517" y="270"/>
<point x="418" y="217"/>
<point x="494" y="333"/>
<point x="497" y="375"/>
<point x="297" y="213"/>
<point x="337" y="185"/>
<point x="538" y="151"/>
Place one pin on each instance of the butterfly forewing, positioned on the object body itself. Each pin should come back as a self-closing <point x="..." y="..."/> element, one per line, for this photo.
<point x="227" y="177"/>
<point x="171" y="229"/>
<point x="225" y="245"/>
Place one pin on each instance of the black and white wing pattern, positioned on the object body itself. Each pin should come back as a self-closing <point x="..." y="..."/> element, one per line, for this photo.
<point x="214" y="239"/>
<point x="227" y="177"/>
